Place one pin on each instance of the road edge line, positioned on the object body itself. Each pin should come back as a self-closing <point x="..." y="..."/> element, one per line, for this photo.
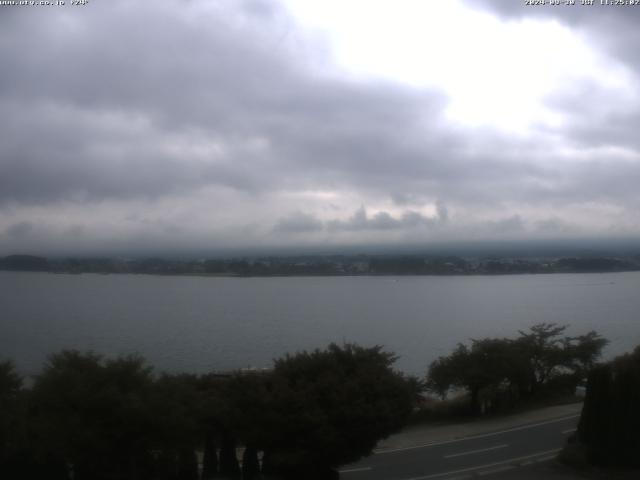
<point x="473" y="437"/>
<point x="488" y="465"/>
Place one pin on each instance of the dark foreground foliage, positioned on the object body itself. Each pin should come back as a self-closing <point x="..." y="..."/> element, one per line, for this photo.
<point x="499" y="372"/>
<point x="610" y="421"/>
<point x="91" y="418"/>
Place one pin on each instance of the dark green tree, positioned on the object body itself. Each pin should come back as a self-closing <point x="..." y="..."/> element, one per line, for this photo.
<point x="610" y="419"/>
<point x="93" y="414"/>
<point x="508" y="369"/>
<point x="12" y="422"/>
<point x="10" y="388"/>
<point x="543" y="347"/>
<point x="583" y="352"/>
<point x="551" y="355"/>
<point x="441" y="376"/>
<point x="178" y="405"/>
<point x="330" y="407"/>
<point x="486" y="364"/>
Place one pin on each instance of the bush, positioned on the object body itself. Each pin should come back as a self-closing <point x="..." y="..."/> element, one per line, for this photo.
<point x="610" y="419"/>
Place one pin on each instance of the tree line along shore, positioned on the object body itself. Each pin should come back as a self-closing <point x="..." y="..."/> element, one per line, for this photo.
<point x="326" y="265"/>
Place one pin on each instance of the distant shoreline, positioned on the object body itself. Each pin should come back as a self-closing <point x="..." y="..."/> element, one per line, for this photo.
<point x="326" y="266"/>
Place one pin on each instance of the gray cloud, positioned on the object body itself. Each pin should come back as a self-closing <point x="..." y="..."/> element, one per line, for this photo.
<point x="215" y="111"/>
<point x="360" y="220"/>
<point x="553" y="226"/>
<point x="513" y="224"/>
<point x="248" y="112"/>
<point x="299" y="222"/>
<point x="442" y="212"/>
<point x="103" y="110"/>
<point x="19" y="230"/>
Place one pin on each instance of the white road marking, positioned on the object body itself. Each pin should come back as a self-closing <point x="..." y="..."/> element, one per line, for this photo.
<point x="473" y="437"/>
<point x="471" y="452"/>
<point x="545" y="455"/>
<point x="571" y="430"/>
<point x="352" y="470"/>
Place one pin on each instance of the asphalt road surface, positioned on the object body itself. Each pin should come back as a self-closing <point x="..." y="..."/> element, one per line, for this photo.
<point x="478" y="455"/>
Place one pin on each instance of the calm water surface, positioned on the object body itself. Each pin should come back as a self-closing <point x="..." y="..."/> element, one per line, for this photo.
<point x="204" y="323"/>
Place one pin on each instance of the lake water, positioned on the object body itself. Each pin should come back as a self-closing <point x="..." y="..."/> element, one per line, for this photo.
<point x="211" y="323"/>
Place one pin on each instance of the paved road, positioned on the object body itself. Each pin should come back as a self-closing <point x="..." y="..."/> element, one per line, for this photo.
<point x="484" y="454"/>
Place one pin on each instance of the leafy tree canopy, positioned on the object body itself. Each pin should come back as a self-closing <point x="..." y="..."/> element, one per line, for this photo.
<point x="329" y="407"/>
<point x="520" y="366"/>
<point x="94" y="412"/>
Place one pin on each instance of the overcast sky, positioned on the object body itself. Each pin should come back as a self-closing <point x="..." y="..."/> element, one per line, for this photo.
<point x="206" y="125"/>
